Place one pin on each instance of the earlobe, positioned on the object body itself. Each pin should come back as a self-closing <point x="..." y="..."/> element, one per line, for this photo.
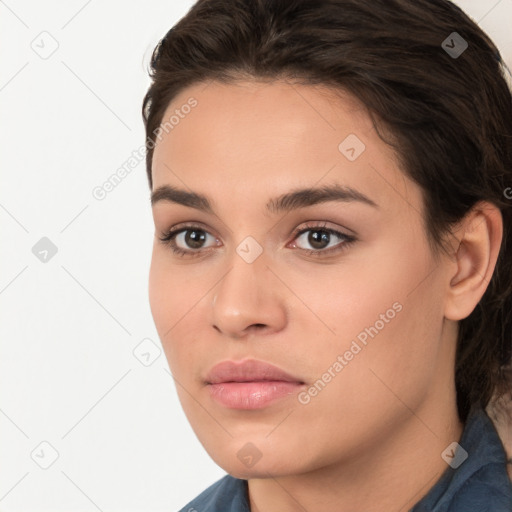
<point x="479" y="236"/>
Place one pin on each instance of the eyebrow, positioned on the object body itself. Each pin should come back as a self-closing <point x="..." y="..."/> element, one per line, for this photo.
<point x="299" y="198"/>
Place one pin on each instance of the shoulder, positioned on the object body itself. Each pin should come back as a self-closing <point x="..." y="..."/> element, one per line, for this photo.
<point x="227" y="494"/>
<point x="487" y="486"/>
<point x="480" y="483"/>
<point x="486" y="491"/>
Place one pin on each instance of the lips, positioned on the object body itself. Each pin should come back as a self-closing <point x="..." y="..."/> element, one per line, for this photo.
<point x="250" y="370"/>
<point x="250" y="384"/>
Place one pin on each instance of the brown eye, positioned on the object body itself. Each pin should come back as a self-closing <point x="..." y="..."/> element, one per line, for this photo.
<point x="194" y="238"/>
<point x="187" y="240"/>
<point x="320" y="238"/>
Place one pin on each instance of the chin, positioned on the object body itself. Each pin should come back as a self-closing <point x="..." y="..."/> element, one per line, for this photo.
<point x="258" y="471"/>
<point x="248" y="462"/>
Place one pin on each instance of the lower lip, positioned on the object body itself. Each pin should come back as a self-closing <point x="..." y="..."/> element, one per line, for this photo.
<point x="251" y="395"/>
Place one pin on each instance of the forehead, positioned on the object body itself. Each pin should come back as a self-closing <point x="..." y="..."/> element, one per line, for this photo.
<point x="247" y="137"/>
<point x="261" y="117"/>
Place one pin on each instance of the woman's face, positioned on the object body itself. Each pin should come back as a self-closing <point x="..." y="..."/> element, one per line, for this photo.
<point x="354" y="317"/>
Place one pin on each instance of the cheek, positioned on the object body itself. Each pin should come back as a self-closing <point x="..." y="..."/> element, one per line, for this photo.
<point x="169" y="296"/>
<point x="387" y="361"/>
<point x="160" y="300"/>
<point x="177" y="300"/>
<point x="383" y="310"/>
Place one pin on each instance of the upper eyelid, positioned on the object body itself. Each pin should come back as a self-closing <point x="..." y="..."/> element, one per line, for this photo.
<point x="307" y="225"/>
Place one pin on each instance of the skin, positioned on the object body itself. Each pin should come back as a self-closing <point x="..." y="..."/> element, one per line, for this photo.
<point x="372" y="438"/>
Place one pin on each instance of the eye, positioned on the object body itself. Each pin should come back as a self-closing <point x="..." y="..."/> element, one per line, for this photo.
<point x="189" y="240"/>
<point x="320" y="238"/>
<point x="191" y="236"/>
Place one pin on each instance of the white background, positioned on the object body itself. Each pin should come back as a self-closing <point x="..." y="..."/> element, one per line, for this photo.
<point x="68" y="329"/>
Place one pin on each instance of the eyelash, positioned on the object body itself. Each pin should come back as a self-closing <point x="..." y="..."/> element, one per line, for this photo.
<point x="168" y="239"/>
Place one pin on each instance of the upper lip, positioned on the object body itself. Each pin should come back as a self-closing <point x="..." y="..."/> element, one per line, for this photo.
<point x="249" y="370"/>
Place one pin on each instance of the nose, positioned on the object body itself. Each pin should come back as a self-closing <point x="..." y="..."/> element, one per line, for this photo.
<point x="249" y="299"/>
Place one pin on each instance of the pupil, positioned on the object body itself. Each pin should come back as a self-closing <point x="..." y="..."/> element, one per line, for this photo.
<point x="316" y="240"/>
<point x="193" y="240"/>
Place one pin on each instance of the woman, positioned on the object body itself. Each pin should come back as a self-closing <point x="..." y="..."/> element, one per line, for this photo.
<point x="331" y="273"/>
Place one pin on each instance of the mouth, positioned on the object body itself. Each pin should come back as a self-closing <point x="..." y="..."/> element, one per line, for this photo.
<point x="250" y="384"/>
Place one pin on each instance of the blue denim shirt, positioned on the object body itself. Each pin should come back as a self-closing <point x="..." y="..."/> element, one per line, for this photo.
<point x="479" y="484"/>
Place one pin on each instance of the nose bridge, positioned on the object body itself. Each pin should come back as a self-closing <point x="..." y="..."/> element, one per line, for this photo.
<point x="245" y="296"/>
<point x="240" y="286"/>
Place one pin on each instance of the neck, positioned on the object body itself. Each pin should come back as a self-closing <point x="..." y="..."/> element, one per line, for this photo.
<point x="394" y="474"/>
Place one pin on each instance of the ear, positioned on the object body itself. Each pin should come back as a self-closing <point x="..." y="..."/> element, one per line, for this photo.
<point x="478" y="238"/>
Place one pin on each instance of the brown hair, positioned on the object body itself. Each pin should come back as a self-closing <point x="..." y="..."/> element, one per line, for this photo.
<point x="449" y="117"/>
